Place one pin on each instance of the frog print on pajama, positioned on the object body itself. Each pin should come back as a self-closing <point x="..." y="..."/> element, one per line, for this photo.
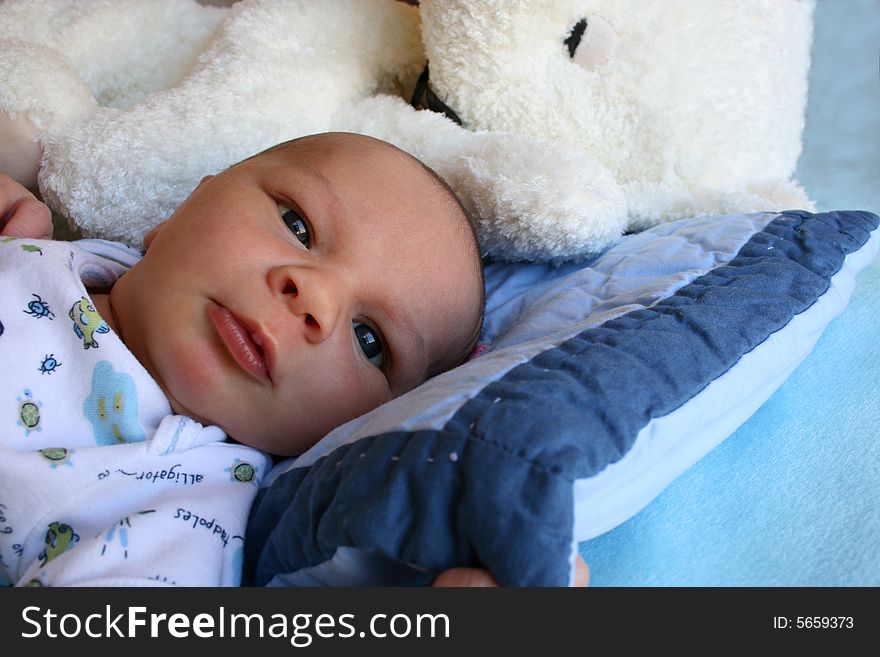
<point x="112" y="407"/>
<point x="30" y="248"/>
<point x="27" y="248"/>
<point x="94" y="464"/>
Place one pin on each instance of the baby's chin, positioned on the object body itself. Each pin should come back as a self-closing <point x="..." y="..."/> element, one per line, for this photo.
<point x="244" y="429"/>
<point x="281" y="440"/>
<point x="270" y="445"/>
<point x="180" y="409"/>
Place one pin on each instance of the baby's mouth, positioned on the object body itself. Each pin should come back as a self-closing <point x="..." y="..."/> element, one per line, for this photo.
<point x="246" y="347"/>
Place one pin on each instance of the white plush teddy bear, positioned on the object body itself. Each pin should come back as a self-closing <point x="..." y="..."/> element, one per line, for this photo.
<point x="695" y="106"/>
<point x="130" y="103"/>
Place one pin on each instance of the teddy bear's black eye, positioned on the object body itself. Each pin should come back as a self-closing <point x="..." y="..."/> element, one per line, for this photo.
<point x="575" y="36"/>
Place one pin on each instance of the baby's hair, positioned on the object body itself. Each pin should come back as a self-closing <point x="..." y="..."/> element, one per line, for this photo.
<point x="446" y="189"/>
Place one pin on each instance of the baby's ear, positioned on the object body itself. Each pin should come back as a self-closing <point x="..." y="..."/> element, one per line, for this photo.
<point x="149" y="237"/>
<point x="204" y="180"/>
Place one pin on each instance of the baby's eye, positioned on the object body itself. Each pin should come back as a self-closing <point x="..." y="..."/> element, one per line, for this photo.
<point x="297" y="225"/>
<point x="575" y="36"/>
<point x="370" y="343"/>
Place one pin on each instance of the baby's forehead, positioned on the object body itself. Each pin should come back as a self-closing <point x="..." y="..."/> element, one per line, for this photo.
<point x="331" y="144"/>
<point x="320" y="150"/>
<point x="400" y="178"/>
<point x="395" y="171"/>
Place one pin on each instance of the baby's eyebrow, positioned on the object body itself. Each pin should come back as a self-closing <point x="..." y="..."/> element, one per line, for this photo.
<point x="325" y="188"/>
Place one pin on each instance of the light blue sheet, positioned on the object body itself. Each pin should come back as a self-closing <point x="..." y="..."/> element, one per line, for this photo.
<point x="793" y="497"/>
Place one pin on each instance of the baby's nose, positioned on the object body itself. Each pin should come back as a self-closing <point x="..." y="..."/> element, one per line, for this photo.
<point x="313" y="298"/>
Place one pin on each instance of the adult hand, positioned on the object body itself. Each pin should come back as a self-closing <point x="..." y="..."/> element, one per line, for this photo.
<point x="21" y="214"/>
<point x="475" y="577"/>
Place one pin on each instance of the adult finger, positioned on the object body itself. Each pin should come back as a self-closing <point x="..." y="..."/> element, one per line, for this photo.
<point x="28" y="218"/>
<point x="475" y="577"/>
<point x="465" y="577"/>
<point x="581" y="572"/>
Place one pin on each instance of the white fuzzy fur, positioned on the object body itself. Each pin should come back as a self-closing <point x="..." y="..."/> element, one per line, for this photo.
<point x="695" y="106"/>
<point x="136" y="101"/>
<point x="273" y="70"/>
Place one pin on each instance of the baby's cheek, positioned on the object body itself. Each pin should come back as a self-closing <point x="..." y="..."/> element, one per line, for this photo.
<point x="194" y="374"/>
<point x="325" y="400"/>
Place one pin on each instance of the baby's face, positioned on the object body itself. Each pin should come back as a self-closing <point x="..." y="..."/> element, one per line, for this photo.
<point x="302" y="288"/>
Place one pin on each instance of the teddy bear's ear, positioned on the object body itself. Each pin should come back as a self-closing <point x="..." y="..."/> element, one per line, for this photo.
<point x="43" y="85"/>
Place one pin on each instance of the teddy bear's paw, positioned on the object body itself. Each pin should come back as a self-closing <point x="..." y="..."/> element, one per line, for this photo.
<point x="117" y="173"/>
<point x="41" y="84"/>
<point x="331" y="51"/>
<point x="20" y="149"/>
<point x="538" y="201"/>
<point x="783" y="195"/>
<point x="650" y="203"/>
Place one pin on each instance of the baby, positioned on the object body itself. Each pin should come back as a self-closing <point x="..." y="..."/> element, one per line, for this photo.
<point x="288" y="294"/>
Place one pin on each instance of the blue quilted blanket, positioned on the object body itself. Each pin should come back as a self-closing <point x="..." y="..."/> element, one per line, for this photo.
<point x="600" y="382"/>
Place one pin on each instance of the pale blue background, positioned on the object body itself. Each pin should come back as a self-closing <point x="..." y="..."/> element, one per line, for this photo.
<point x="793" y="497"/>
